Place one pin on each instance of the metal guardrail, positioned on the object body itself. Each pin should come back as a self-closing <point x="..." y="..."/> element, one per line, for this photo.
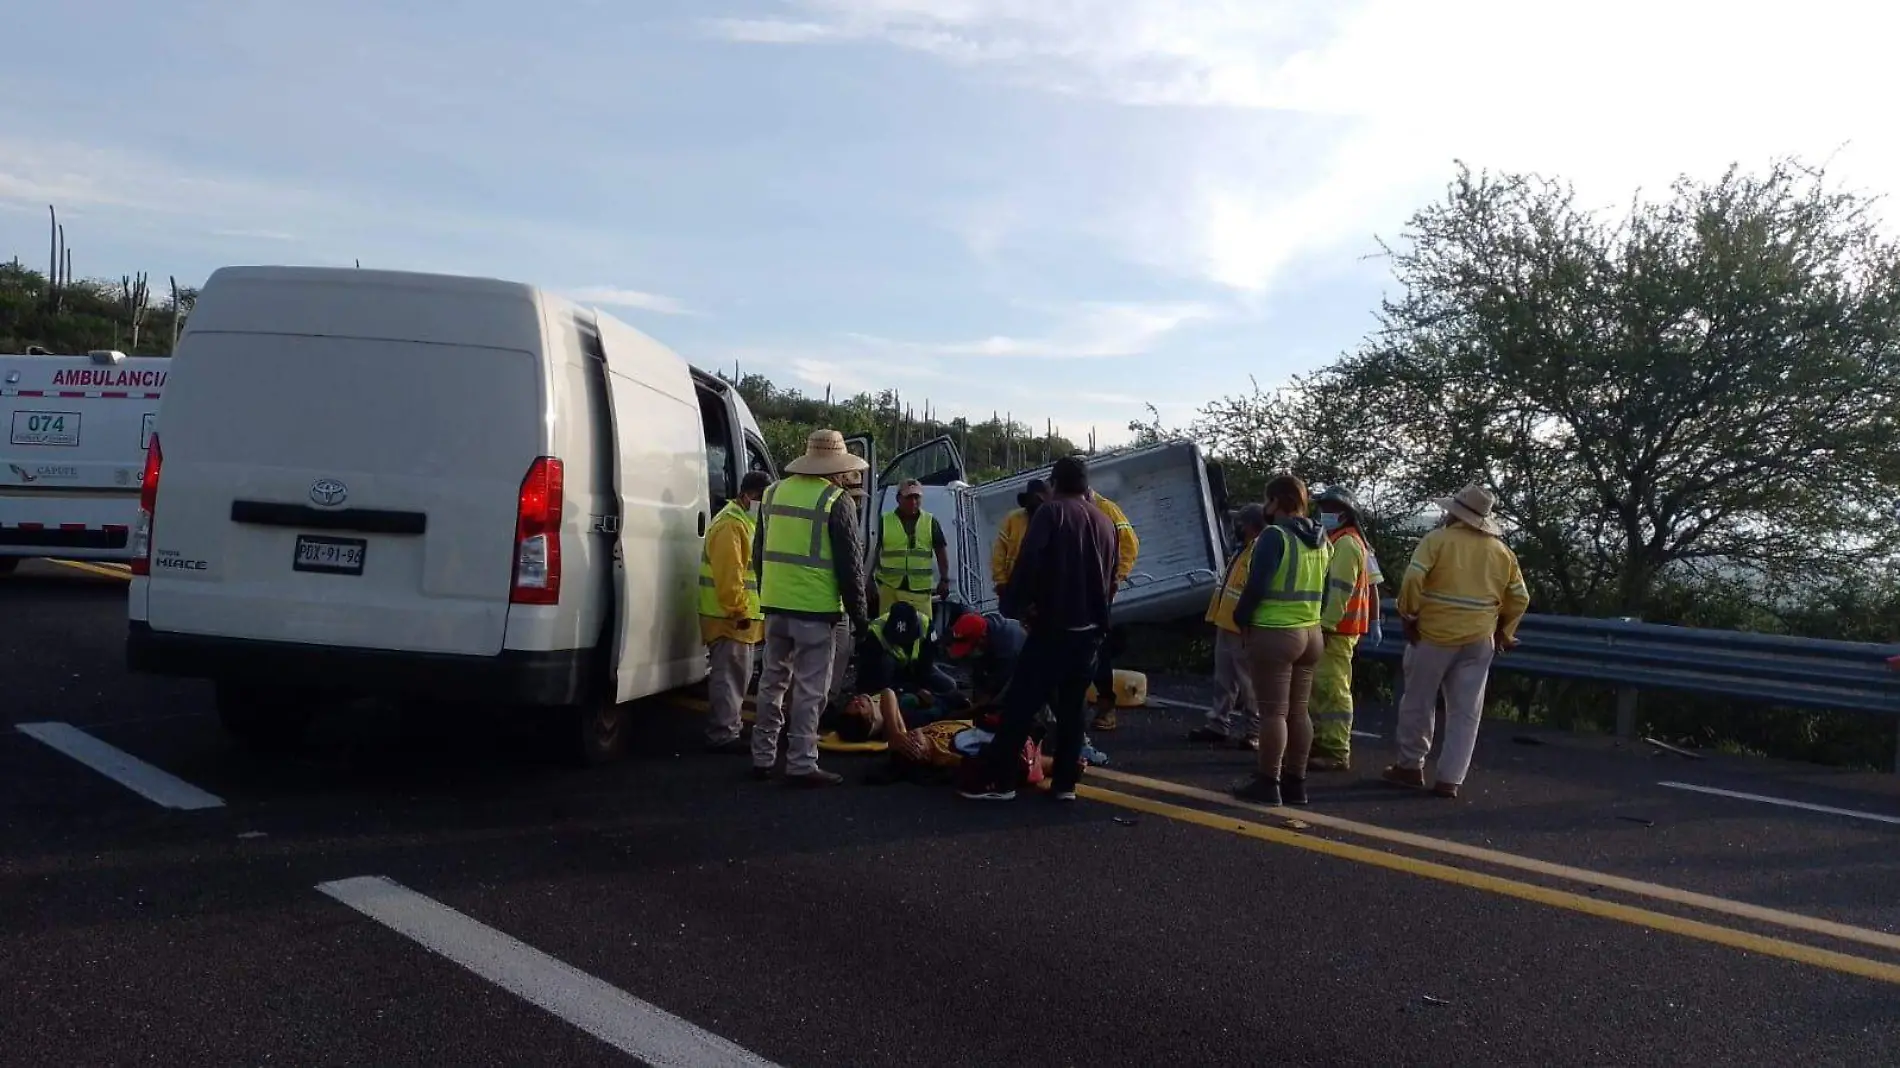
<point x="1762" y="668"/>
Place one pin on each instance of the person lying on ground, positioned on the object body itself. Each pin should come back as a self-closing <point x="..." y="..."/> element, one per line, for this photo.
<point x="942" y="749"/>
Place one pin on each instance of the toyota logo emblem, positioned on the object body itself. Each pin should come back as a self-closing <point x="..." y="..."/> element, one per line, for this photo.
<point x="328" y="492"/>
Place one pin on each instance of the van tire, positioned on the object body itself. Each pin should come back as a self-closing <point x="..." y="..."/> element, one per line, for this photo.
<point x="262" y="718"/>
<point x="597" y="731"/>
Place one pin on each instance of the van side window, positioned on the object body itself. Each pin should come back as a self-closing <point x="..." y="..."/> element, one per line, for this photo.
<point x="722" y="476"/>
<point x="755" y="459"/>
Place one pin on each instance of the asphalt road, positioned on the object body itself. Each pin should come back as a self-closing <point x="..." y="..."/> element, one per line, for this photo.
<point x="897" y="925"/>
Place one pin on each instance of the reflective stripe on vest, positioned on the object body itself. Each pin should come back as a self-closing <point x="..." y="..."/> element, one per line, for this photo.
<point x="708" y="582"/>
<point x="1221" y="611"/>
<point x="1357" y="618"/>
<point x="904" y="555"/>
<point x="796" y="568"/>
<point x="904" y="657"/>
<point x="1294" y="593"/>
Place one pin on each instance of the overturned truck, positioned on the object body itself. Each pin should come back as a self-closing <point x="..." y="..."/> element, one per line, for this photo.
<point x="1173" y="495"/>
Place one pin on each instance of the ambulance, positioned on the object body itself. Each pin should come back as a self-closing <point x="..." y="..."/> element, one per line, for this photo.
<point x="386" y="484"/>
<point x="77" y="429"/>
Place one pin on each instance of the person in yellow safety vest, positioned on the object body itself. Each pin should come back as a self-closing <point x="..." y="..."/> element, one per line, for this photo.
<point x="809" y="556"/>
<point x="1127" y="548"/>
<point x="730" y="620"/>
<point x="1351" y="610"/>
<point x="909" y="541"/>
<point x="1010" y="536"/>
<point x="1286" y="582"/>
<point x="1461" y="600"/>
<point x="1234" y="718"/>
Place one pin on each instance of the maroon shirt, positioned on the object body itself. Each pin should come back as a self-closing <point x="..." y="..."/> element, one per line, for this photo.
<point x="1065" y="568"/>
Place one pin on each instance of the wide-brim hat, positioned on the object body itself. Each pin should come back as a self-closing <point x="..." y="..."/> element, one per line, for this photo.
<point x="1472" y="506"/>
<point x="825" y="454"/>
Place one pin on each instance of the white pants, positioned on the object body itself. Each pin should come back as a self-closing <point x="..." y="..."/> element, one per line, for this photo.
<point x="1462" y="671"/>
<point x="792" y="689"/>
<point x="731" y="670"/>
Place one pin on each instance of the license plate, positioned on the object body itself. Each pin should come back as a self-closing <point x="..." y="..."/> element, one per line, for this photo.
<point x="330" y="556"/>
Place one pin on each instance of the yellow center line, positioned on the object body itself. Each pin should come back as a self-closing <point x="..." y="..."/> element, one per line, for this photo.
<point x="1543" y="895"/>
<point x="1635" y="887"/>
<point x="108" y="570"/>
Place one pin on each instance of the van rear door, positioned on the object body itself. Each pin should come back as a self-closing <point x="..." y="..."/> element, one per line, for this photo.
<point x="355" y="492"/>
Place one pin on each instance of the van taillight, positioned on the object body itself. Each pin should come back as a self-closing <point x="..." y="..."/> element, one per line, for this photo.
<point x="538" y="535"/>
<point x="148" y="503"/>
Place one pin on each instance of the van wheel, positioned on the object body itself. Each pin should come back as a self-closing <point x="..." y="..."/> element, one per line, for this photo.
<point x="263" y="718"/>
<point x="598" y="729"/>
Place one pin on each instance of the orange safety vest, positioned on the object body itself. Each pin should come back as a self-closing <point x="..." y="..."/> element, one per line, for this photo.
<point x="1357" y="618"/>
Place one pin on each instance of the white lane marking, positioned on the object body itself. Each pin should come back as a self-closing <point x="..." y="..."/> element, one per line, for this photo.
<point x="155" y="785"/>
<point x="1784" y="802"/>
<point x="606" y="1012"/>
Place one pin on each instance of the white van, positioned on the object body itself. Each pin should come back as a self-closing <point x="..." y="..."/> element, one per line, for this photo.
<point x="373" y="483"/>
<point x="77" y="427"/>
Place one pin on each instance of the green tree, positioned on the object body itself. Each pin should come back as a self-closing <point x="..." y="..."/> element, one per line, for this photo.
<point x="1708" y="382"/>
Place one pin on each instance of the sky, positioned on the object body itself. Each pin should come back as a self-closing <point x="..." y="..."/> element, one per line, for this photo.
<point x="1062" y="209"/>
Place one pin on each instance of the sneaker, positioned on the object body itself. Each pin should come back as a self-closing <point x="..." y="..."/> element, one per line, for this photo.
<point x="1445" y="789"/>
<point x="813" y="779"/>
<point x="1062" y="793"/>
<point x="1260" y="791"/>
<point x="1398" y="776"/>
<point x="1094" y="757"/>
<point x="1212" y="735"/>
<point x="1293" y="791"/>
<point x="1104" y="721"/>
<point x="1328" y="763"/>
<point x="988" y="792"/>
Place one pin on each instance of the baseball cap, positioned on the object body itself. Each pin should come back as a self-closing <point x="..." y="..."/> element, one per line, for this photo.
<point x="968" y="633"/>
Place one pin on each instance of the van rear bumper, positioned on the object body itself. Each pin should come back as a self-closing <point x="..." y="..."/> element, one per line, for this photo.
<point x="512" y="677"/>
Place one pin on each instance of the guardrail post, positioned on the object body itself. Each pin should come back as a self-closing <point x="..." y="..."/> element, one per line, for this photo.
<point x="1626" y="712"/>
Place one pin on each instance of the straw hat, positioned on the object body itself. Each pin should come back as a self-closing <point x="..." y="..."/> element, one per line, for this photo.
<point x="825" y="454"/>
<point x="1472" y="506"/>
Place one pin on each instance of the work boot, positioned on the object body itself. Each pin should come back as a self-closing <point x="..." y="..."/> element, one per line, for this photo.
<point x="1259" y="789"/>
<point x="1398" y="776"/>
<point x="1446" y="790"/>
<point x="1293" y="790"/>
<point x="1104" y="717"/>
<point x="1328" y="763"/>
<point x="814" y="779"/>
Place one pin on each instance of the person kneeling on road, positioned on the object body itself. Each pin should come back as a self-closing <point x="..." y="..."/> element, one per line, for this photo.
<point x="895" y="654"/>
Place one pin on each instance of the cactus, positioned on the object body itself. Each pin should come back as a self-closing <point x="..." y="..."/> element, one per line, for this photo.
<point x="135" y="298"/>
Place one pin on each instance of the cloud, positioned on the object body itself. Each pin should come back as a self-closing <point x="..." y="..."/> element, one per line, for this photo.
<point x="1309" y="129"/>
<point x="631" y="298"/>
<point x="1086" y="331"/>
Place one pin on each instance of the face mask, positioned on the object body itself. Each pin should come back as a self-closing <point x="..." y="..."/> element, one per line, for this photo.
<point x="1330" y="521"/>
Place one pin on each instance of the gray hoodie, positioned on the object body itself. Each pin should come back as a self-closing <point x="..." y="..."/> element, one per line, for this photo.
<point x="1266" y="560"/>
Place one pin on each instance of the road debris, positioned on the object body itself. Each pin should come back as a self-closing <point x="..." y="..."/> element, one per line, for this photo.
<point x="1667" y="748"/>
<point x="1123" y="821"/>
<point x="1638" y="819"/>
<point x="1430" y="1000"/>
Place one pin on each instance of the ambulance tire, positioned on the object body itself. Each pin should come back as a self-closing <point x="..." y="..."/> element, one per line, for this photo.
<point x="8" y="564"/>
<point x="597" y="731"/>
<point x="261" y="718"/>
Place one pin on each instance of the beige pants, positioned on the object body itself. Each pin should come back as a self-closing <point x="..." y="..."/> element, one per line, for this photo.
<point x="1281" y="661"/>
<point x="1462" y="671"/>
<point x="731" y="670"/>
<point x="840" y="659"/>
<point x="1235" y="711"/>
<point x="792" y="689"/>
